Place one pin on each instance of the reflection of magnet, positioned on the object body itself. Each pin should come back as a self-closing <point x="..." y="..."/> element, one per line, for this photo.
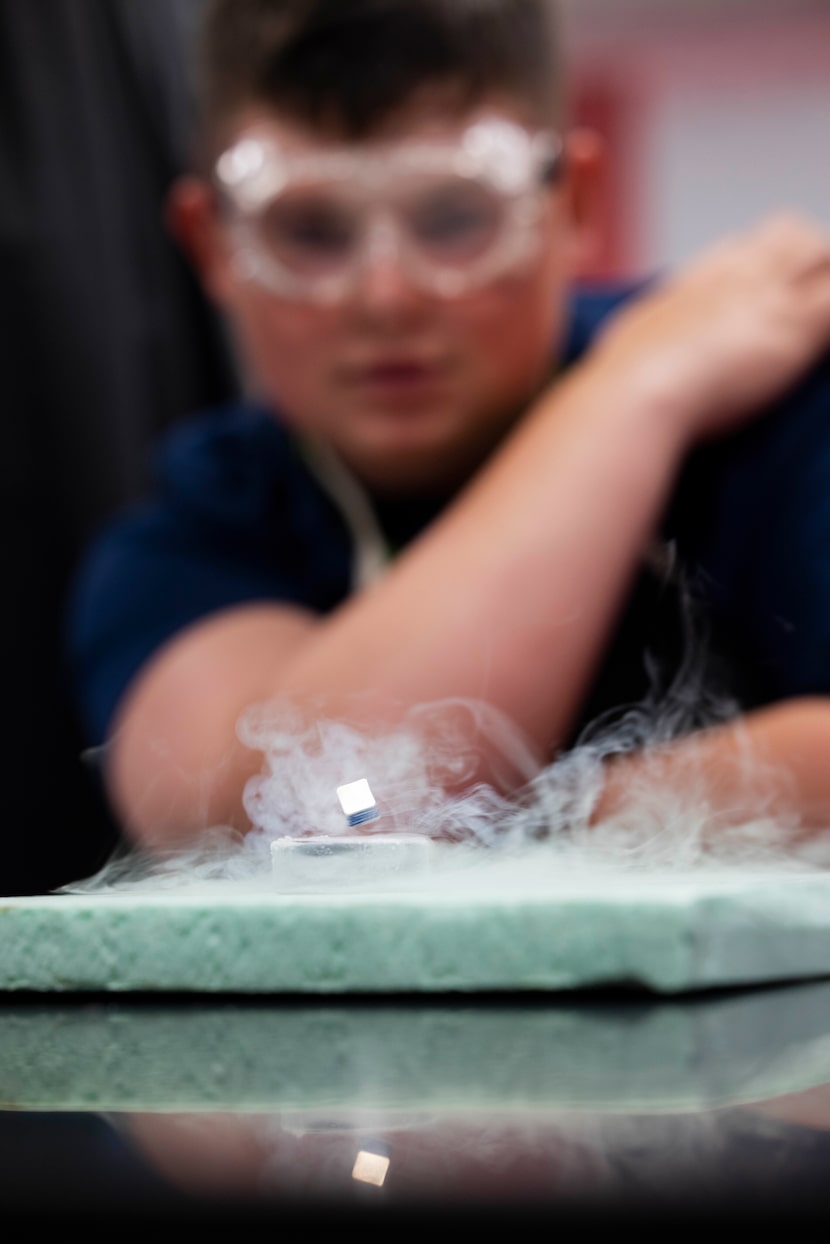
<point x="370" y="1167"/>
<point x="349" y="858"/>
<point x="358" y="802"/>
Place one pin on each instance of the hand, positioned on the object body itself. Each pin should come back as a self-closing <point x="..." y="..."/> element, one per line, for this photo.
<point x="724" y="338"/>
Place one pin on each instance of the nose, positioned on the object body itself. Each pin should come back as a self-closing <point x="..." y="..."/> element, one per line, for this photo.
<point x="385" y="286"/>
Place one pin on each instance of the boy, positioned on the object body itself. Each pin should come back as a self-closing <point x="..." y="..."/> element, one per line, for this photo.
<point x="391" y="217"/>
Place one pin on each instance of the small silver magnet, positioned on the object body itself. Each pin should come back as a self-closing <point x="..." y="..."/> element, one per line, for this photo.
<point x="357" y="802"/>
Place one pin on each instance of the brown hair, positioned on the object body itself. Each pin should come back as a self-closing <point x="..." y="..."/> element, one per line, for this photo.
<point x="346" y="65"/>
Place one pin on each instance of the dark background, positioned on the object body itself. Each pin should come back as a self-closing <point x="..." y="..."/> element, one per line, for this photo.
<point x="105" y="338"/>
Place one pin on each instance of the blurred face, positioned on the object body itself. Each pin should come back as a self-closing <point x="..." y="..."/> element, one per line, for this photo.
<point x="410" y="377"/>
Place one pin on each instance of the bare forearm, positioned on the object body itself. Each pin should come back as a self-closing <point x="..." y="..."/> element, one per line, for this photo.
<point x="510" y="598"/>
<point x="770" y="763"/>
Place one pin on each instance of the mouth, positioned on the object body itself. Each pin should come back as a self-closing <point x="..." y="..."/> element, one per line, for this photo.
<point x="400" y="377"/>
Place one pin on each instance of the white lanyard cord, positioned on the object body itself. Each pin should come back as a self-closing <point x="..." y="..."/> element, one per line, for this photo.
<point x="370" y="550"/>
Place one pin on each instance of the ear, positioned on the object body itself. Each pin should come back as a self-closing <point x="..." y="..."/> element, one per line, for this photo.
<point x="191" y="216"/>
<point x="584" y="179"/>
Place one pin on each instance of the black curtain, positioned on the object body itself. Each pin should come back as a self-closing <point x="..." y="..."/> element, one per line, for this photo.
<point x="105" y="338"/>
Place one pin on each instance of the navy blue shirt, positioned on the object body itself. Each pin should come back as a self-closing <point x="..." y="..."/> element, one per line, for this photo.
<point x="237" y="516"/>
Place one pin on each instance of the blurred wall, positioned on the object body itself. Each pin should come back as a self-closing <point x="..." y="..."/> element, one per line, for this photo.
<point x="715" y="112"/>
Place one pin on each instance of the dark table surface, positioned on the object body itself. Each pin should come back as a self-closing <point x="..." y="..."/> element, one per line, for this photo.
<point x="574" y="1108"/>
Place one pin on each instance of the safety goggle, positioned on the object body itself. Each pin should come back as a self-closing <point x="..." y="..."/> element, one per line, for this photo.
<point x="455" y="215"/>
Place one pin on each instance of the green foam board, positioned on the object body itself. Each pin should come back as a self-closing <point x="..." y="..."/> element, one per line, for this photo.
<point x="501" y="925"/>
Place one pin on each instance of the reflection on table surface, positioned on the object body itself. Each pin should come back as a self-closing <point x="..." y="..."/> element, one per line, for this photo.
<point x="605" y="1102"/>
